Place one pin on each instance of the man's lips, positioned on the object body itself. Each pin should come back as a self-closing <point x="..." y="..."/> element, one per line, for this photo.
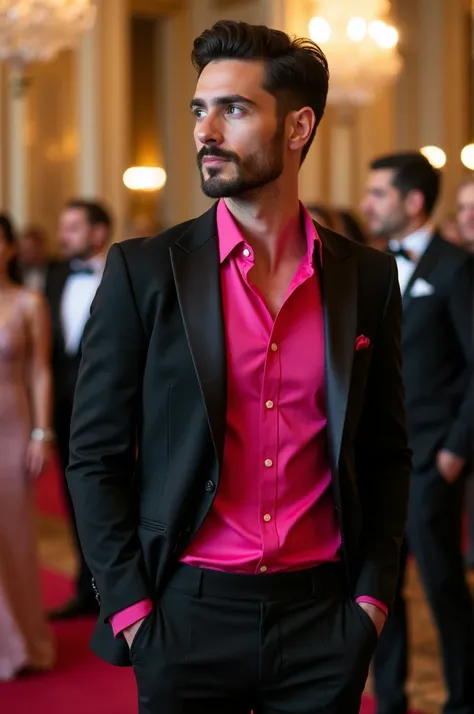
<point x="212" y="160"/>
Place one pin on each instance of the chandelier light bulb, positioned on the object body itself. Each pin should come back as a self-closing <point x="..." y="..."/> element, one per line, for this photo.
<point x="319" y="30"/>
<point x="467" y="157"/>
<point x="435" y="156"/>
<point x="356" y="29"/>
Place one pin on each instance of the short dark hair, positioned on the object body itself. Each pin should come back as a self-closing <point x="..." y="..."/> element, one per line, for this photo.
<point x="412" y="172"/>
<point x="96" y="212"/>
<point x="296" y="71"/>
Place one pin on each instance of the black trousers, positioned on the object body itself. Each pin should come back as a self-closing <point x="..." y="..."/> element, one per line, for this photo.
<point x="84" y="589"/>
<point x="288" y="643"/>
<point x="434" y="538"/>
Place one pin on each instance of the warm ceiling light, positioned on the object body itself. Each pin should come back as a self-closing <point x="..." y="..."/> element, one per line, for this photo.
<point x="356" y="29"/>
<point x="319" y="30"/>
<point x="144" y="178"/>
<point x="467" y="157"/>
<point x="435" y="156"/>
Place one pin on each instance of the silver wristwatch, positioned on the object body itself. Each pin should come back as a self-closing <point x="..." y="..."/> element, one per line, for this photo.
<point x="42" y="435"/>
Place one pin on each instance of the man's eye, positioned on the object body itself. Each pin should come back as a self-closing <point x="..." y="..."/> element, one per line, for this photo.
<point x="235" y="111"/>
<point x="198" y="113"/>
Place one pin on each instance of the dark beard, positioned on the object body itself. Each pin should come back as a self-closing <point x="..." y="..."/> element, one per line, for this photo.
<point x="258" y="170"/>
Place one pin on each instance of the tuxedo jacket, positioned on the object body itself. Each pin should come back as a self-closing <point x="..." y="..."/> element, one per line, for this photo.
<point x="149" y="418"/>
<point x="438" y="353"/>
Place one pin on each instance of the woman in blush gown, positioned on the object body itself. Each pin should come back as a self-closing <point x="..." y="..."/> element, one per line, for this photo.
<point x="25" y="410"/>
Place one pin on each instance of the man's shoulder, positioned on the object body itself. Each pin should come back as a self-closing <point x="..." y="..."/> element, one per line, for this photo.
<point x="136" y="248"/>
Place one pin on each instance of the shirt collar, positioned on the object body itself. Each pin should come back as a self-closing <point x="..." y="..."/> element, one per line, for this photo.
<point x="416" y="242"/>
<point x="230" y="236"/>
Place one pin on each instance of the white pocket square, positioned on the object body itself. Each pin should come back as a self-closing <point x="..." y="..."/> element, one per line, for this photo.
<point x="421" y="288"/>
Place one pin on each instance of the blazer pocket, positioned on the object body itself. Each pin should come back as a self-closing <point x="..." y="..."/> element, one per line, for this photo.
<point x="153" y="525"/>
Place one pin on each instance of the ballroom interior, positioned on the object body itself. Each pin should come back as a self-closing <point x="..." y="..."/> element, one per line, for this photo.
<point x="107" y="116"/>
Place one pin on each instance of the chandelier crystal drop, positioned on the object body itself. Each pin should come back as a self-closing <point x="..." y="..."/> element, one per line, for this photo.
<point x="37" y="30"/>
<point x="361" y="47"/>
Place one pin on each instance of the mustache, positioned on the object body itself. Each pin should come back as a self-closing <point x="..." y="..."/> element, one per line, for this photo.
<point x="217" y="153"/>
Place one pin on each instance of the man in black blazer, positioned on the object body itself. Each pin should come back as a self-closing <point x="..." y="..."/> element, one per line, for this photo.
<point x="437" y="285"/>
<point x="84" y="236"/>
<point x="239" y="461"/>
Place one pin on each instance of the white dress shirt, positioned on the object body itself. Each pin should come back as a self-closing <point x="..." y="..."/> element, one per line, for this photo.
<point x="78" y="294"/>
<point x="416" y="244"/>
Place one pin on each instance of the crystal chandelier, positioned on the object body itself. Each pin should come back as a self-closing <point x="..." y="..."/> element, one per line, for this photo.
<point x="361" y="47"/>
<point x="37" y="30"/>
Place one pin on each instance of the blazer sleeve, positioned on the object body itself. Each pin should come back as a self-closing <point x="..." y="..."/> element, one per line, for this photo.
<point x="105" y="417"/>
<point x="383" y="458"/>
<point x="460" y="439"/>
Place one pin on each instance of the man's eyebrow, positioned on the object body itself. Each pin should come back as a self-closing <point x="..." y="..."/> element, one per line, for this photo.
<point x="222" y="101"/>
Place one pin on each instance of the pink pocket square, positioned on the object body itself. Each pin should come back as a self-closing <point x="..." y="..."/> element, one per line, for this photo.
<point x="362" y="343"/>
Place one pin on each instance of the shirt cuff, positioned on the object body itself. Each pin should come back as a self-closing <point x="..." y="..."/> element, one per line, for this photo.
<point x="373" y="601"/>
<point x="123" y="619"/>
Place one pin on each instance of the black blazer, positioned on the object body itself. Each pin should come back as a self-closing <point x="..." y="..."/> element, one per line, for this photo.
<point x="438" y="354"/>
<point x="154" y="370"/>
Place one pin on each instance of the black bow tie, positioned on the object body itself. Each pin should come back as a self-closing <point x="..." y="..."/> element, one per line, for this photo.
<point x="78" y="267"/>
<point x="401" y="253"/>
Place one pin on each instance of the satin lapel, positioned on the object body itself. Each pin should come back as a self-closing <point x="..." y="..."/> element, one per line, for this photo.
<point x="428" y="261"/>
<point x="339" y="292"/>
<point x="196" y="270"/>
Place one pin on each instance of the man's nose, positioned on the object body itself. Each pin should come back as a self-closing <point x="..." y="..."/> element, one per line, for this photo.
<point x="209" y="131"/>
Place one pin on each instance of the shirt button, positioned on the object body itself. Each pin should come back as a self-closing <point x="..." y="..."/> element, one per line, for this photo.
<point x="274" y="347"/>
<point x="263" y="569"/>
<point x="246" y="252"/>
<point x="267" y="518"/>
<point x="268" y="463"/>
<point x="269" y="404"/>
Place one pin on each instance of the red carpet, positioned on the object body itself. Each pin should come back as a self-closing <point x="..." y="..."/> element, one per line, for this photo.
<point x="49" y="492"/>
<point x="81" y="683"/>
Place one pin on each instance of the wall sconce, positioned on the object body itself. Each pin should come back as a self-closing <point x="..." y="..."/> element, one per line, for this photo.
<point x="144" y="178"/>
<point x="435" y="156"/>
<point x="467" y="157"/>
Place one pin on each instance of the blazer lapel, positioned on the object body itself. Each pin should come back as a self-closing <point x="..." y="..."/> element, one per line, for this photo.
<point x="196" y="271"/>
<point x="428" y="261"/>
<point x="339" y="292"/>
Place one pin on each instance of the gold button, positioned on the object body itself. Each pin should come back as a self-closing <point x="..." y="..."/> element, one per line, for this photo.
<point x="267" y="518"/>
<point x="263" y="569"/>
<point x="246" y="252"/>
<point x="268" y="463"/>
<point x="269" y="404"/>
<point x="274" y="347"/>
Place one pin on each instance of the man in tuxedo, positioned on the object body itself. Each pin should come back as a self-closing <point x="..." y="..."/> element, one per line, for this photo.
<point x="246" y="553"/>
<point x="436" y="281"/>
<point x="84" y="235"/>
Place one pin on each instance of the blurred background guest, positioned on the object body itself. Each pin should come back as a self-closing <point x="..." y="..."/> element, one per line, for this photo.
<point x="324" y="215"/>
<point x="84" y="235"/>
<point x="437" y="286"/>
<point x="449" y="230"/>
<point x="34" y="260"/>
<point x="350" y="227"/>
<point x="25" y="433"/>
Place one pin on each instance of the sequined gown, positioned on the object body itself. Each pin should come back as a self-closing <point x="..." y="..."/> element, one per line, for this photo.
<point x="25" y="640"/>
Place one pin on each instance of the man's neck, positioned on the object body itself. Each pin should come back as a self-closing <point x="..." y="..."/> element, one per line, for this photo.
<point x="272" y="226"/>
<point x="408" y="230"/>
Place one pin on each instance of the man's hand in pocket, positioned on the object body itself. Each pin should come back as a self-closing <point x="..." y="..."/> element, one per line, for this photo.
<point x="130" y="632"/>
